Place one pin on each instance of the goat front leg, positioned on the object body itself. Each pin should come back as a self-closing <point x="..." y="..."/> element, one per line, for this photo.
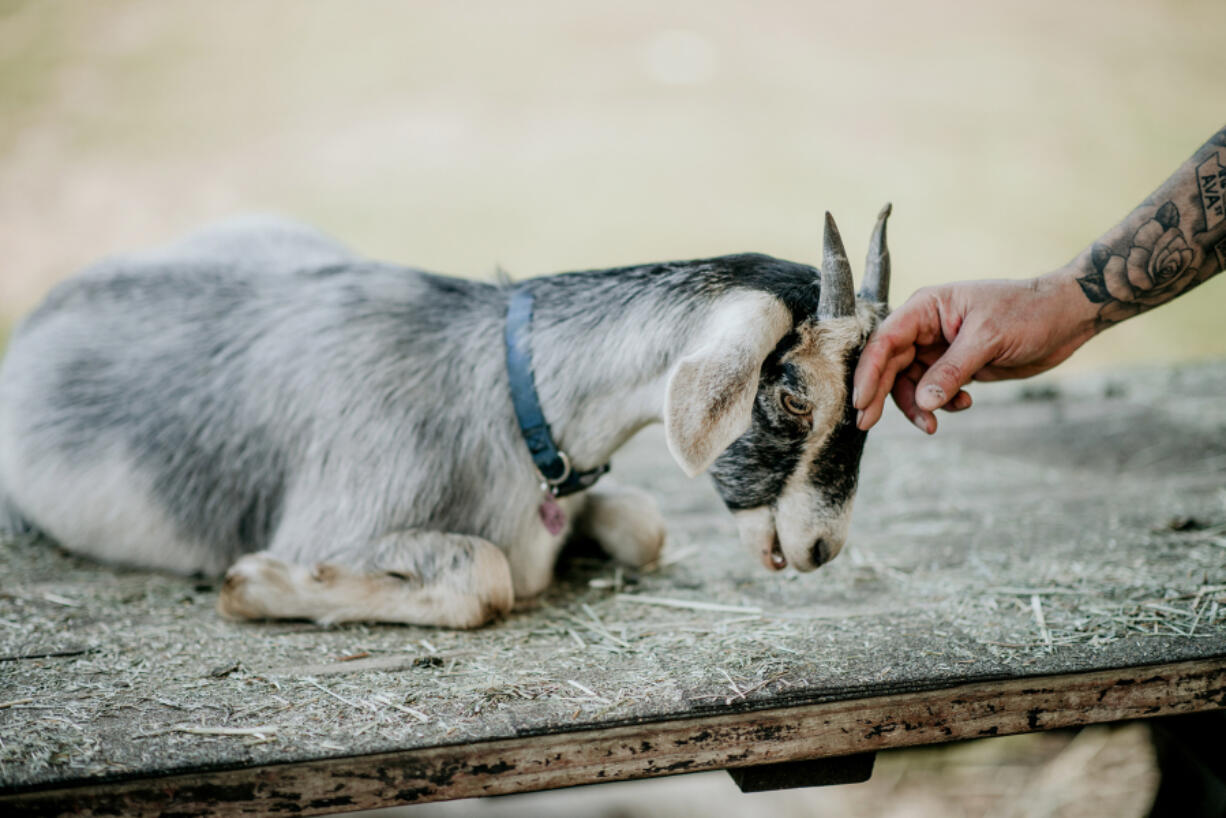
<point x="412" y="577"/>
<point x="626" y="522"/>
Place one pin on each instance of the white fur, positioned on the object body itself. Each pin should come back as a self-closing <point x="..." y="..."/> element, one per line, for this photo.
<point x="711" y="391"/>
<point x="260" y="586"/>
<point x="256" y="387"/>
<point x="756" y="527"/>
<point x="94" y="507"/>
<point x="801" y="516"/>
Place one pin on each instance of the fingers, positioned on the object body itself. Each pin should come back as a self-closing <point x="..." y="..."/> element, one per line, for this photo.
<point x="891" y="349"/>
<point x="940" y="385"/>
<point x="961" y="402"/>
<point x="911" y="358"/>
<point x="885" y="354"/>
<point x="869" y="414"/>
<point x="904" y="397"/>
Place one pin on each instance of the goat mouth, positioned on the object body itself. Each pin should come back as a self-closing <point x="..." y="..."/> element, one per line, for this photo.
<point x="774" y="557"/>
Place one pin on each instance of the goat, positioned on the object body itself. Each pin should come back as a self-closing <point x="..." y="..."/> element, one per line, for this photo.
<point x="339" y="433"/>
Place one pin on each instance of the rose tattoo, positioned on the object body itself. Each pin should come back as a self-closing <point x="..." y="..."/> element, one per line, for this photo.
<point x="1155" y="268"/>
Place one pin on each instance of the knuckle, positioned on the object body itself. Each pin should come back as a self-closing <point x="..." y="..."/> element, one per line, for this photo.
<point x="991" y="332"/>
<point x="947" y="375"/>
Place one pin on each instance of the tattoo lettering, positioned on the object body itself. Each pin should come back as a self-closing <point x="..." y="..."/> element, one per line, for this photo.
<point x="1211" y="178"/>
<point x="1154" y="268"/>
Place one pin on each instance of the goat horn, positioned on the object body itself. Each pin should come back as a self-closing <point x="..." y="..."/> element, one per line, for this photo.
<point x="836" y="298"/>
<point x="876" y="284"/>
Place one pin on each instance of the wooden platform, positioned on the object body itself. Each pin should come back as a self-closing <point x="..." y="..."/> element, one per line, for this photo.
<point x="1055" y="557"/>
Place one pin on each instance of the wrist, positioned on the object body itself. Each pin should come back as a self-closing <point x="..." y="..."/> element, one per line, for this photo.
<point x="1068" y="303"/>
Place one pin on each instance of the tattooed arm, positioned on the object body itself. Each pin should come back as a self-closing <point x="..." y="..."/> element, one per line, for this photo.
<point x="1171" y="243"/>
<point x="943" y="337"/>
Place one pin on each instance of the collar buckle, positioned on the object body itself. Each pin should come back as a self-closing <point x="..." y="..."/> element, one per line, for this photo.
<point x="551" y="484"/>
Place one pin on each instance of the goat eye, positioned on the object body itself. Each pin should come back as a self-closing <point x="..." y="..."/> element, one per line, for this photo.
<point x="795" y="405"/>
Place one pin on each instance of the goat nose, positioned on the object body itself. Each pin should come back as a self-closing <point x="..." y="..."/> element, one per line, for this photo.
<point x="821" y="552"/>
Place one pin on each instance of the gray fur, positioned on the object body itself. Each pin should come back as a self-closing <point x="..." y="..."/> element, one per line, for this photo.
<point x="11" y="521"/>
<point x="256" y="386"/>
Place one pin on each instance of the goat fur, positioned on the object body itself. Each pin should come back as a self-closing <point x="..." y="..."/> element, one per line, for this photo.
<point x="256" y="388"/>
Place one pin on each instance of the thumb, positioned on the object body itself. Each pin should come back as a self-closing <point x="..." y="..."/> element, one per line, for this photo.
<point x="952" y="371"/>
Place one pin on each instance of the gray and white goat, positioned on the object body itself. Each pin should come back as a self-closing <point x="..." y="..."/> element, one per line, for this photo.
<point x="338" y="432"/>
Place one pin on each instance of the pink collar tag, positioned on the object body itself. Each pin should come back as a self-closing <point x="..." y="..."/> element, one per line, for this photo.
<point x="552" y="515"/>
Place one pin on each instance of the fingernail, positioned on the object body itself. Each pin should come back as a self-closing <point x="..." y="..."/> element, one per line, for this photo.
<point x="932" y="397"/>
<point x="855" y="397"/>
<point x="860" y="419"/>
<point x="921" y="424"/>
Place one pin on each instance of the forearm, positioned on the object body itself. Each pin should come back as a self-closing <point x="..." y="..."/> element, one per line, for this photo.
<point x="944" y="336"/>
<point x="1175" y="240"/>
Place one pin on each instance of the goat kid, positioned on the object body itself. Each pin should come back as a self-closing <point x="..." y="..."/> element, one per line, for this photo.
<point x="339" y="433"/>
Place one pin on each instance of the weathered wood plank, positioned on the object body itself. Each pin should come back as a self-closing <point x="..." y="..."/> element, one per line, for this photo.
<point x="1053" y="537"/>
<point x="653" y="749"/>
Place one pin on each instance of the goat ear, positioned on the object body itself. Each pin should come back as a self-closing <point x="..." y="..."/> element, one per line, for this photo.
<point x="711" y="390"/>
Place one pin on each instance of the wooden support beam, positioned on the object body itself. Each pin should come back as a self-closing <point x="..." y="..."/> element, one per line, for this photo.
<point x="743" y="739"/>
<point x="1192" y="764"/>
<point x="816" y="772"/>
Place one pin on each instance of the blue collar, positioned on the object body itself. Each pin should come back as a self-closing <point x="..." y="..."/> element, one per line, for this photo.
<point x="552" y="464"/>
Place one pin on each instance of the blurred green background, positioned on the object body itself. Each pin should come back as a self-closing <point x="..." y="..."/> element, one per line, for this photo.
<point x="546" y="136"/>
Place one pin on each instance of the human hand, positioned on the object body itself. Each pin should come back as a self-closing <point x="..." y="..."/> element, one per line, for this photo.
<point x="945" y="336"/>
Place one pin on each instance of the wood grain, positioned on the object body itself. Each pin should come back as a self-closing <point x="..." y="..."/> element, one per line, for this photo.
<point x="655" y="749"/>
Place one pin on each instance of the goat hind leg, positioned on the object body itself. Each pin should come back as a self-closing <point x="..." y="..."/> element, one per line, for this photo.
<point x="626" y="522"/>
<point x="412" y="577"/>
